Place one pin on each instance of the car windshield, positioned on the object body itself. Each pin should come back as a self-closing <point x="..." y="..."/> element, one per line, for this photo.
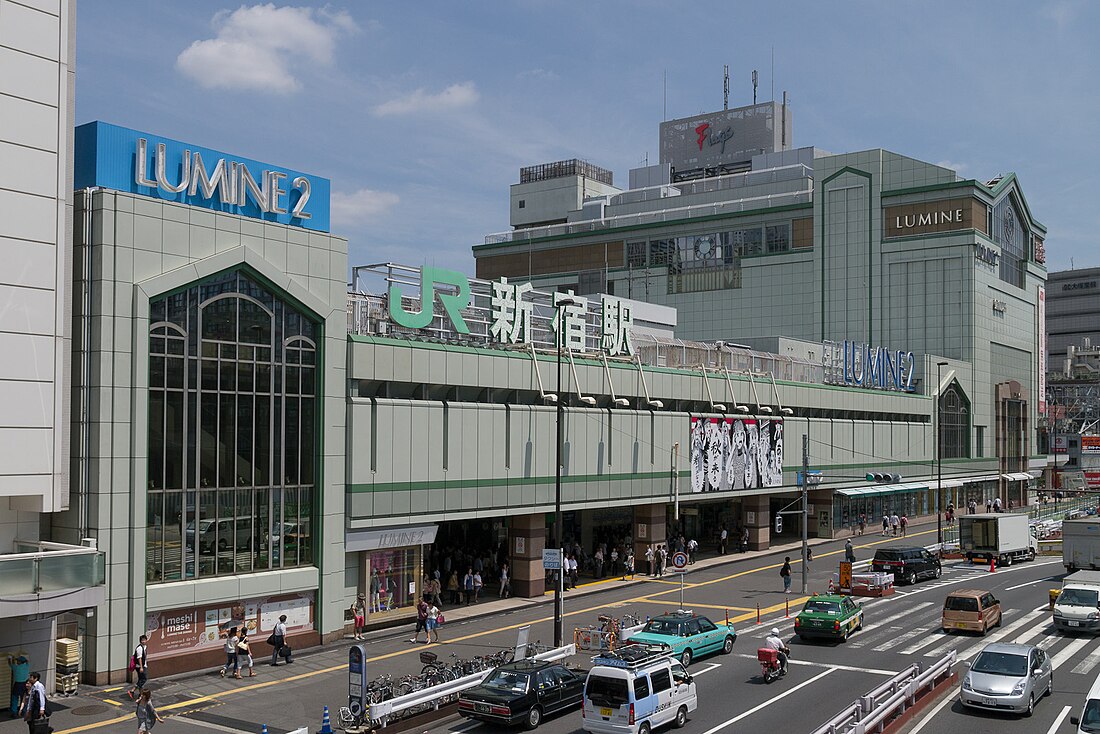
<point x="961" y="604"/>
<point x="822" y="607"/>
<point x="507" y="680"/>
<point x="1090" y="717"/>
<point x="603" y="691"/>
<point x="1078" y="597"/>
<point x="204" y="525"/>
<point x="888" y="555"/>
<point x="1001" y="663"/>
<point x="663" y="627"/>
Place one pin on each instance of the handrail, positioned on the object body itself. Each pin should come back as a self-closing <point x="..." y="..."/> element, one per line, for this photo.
<point x="615" y="401"/>
<point x="719" y="407"/>
<point x="434" y="695"/>
<point x="912" y="671"/>
<point x="543" y="395"/>
<point x="842" y="721"/>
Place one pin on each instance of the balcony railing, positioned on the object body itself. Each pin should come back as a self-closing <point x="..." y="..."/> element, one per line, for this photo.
<point x="38" y="567"/>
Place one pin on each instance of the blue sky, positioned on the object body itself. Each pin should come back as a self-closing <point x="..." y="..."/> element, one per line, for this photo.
<point x="423" y="112"/>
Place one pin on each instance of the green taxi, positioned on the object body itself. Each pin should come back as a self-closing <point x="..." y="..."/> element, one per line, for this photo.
<point x="689" y="635"/>
<point x="829" y="616"/>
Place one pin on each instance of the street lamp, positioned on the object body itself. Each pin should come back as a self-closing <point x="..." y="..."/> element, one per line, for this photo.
<point x="939" y="456"/>
<point x="559" y="538"/>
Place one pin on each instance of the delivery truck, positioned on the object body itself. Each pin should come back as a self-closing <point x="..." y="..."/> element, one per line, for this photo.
<point x="1077" y="607"/>
<point x="1004" y="536"/>
<point x="1081" y="544"/>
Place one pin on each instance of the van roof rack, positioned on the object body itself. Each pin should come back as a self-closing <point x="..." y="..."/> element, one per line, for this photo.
<point x="633" y="656"/>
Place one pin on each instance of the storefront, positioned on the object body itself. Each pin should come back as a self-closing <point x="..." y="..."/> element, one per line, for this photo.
<point x="391" y="567"/>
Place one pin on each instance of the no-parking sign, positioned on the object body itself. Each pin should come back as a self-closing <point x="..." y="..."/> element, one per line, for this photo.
<point x="679" y="561"/>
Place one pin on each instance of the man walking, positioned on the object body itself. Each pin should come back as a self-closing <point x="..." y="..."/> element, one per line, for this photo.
<point x="785" y="573"/>
<point x="849" y="552"/>
<point x="278" y="641"/>
<point x="20" y="671"/>
<point x="649" y="556"/>
<point x="693" y="548"/>
<point x="723" y="537"/>
<point x="140" y="662"/>
<point x="34" y="707"/>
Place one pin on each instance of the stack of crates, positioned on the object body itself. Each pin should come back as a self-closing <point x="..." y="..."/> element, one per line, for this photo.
<point x="68" y="665"/>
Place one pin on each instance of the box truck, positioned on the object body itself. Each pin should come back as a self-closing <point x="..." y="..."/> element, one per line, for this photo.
<point x="1081" y="544"/>
<point x="1001" y="535"/>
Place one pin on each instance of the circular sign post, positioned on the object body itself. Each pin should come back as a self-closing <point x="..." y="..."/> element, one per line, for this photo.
<point x="679" y="565"/>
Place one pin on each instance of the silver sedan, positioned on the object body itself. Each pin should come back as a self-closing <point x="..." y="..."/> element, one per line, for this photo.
<point x="1008" y="678"/>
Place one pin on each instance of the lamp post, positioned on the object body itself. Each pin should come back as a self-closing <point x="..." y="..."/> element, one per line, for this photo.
<point x="939" y="456"/>
<point x="559" y="536"/>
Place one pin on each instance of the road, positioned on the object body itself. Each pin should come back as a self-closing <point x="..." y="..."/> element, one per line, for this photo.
<point x="899" y="630"/>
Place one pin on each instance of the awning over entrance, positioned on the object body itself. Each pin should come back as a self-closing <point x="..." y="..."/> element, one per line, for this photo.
<point x="879" y="489"/>
<point x="983" y="478"/>
<point x="1019" y="476"/>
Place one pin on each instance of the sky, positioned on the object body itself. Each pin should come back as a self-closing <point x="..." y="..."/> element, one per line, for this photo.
<point x="422" y="113"/>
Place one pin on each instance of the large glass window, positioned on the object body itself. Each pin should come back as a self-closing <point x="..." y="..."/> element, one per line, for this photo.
<point x="954" y="423"/>
<point x="232" y="431"/>
<point x="1009" y="232"/>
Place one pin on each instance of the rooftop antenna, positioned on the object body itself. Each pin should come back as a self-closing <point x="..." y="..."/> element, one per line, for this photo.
<point x="664" y="100"/>
<point x="754" y="80"/>
<point x="773" y="73"/>
<point x="725" y="86"/>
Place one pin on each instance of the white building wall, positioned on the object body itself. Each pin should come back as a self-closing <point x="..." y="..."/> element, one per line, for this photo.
<point x="37" y="67"/>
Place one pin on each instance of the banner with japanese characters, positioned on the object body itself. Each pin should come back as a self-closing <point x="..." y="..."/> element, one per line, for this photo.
<point x="736" y="453"/>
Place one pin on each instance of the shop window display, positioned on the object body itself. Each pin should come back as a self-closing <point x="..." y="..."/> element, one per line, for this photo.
<point x="393" y="580"/>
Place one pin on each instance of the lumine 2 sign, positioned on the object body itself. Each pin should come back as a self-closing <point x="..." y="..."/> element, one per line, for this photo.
<point x="118" y="158"/>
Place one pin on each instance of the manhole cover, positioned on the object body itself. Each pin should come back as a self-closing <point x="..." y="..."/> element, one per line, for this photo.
<point x="88" y="710"/>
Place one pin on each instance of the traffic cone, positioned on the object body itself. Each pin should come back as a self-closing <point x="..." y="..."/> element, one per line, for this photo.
<point x="326" y="723"/>
<point x="992" y="564"/>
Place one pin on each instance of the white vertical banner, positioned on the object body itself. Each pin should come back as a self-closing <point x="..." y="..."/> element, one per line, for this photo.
<point x="1041" y="314"/>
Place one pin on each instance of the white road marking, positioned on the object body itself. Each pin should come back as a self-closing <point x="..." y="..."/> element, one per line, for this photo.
<point x="712" y="666"/>
<point x="890" y="644"/>
<point x="209" y="725"/>
<point x="932" y="714"/>
<point x="1049" y="640"/>
<point x="1002" y="633"/>
<point x="831" y="666"/>
<point x="1068" y="651"/>
<point x="861" y="640"/>
<point x="767" y="703"/>
<point x="1046" y="629"/>
<point x="1030" y="583"/>
<point x="1088" y="663"/>
<point x="1058" y="721"/>
<point x="967" y="577"/>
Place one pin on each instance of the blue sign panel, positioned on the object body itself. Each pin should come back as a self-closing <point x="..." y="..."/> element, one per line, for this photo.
<point x="118" y="158"/>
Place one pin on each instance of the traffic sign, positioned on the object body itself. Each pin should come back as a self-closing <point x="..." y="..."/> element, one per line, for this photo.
<point x="679" y="561"/>
<point x="551" y="559"/>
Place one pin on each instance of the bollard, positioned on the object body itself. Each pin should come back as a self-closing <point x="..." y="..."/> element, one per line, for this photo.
<point x="326" y="723"/>
<point x="758" y="612"/>
<point x="992" y="564"/>
<point x="263" y="729"/>
<point x="787" y="612"/>
<point x="727" y="618"/>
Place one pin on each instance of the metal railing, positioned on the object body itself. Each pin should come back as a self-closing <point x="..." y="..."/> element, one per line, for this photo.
<point x="872" y="711"/>
<point x="437" y="694"/>
<point x="44" y="567"/>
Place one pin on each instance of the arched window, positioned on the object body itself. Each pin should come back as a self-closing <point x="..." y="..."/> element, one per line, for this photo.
<point x="232" y="430"/>
<point x="954" y="410"/>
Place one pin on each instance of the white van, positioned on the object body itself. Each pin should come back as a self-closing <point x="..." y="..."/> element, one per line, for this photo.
<point x="635" y="689"/>
<point x="1089" y="720"/>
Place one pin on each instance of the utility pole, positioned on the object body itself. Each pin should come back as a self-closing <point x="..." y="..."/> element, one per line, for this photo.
<point x="805" y="512"/>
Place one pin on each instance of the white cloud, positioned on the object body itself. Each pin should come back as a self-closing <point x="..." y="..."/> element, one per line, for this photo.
<point x="453" y="97"/>
<point x="255" y="47"/>
<point x="360" y="207"/>
<point x="959" y="168"/>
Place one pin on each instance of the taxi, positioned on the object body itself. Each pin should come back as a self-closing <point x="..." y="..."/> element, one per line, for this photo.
<point x="829" y="616"/>
<point x="688" y="634"/>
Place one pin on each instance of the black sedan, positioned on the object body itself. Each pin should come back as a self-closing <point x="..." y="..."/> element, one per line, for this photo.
<point x="522" y="693"/>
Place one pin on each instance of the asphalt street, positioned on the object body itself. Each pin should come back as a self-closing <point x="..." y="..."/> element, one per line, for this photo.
<point x="899" y="630"/>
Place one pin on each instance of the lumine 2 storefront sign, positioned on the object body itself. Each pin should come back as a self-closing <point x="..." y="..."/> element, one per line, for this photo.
<point x="512" y="312"/>
<point x="122" y="159"/>
<point x="862" y="365"/>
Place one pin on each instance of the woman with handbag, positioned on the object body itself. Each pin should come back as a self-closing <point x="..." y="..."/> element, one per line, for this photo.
<point x="147" y="716"/>
<point x="244" y="655"/>
<point x="435" y="618"/>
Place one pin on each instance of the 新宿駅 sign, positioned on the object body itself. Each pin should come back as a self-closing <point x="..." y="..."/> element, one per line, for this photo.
<point x="122" y="159"/>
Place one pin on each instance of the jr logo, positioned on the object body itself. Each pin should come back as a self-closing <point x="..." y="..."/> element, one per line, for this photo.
<point x="453" y="303"/>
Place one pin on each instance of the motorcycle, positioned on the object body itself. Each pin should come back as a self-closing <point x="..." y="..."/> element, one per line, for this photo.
<point x="769" y="663"/>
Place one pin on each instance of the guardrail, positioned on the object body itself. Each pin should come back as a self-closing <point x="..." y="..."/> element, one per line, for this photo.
<point x="869" y="714"/>
<point x="434" y="695"/>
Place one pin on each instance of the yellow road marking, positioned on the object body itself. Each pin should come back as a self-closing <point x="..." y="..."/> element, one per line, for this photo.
<point x="113" y="703"/>
<point x="769" y="610"/>
<point x="112" y="690"/>
<point x="692" y="604"/>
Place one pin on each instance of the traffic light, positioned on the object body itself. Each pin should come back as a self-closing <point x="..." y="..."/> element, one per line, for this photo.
<point x="883" y="478"/>
<point x="778" y="524"/>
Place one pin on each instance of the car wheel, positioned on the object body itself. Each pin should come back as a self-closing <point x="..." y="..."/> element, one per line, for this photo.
<point x="911" y="578"/>
<point x="802" y="637"/>
<point x="1000" y="619"/>
<point x="681" y="717"/>
<point x="1030" y="705"/>
<point x="1050" y="684"/>
<point x="860" y="625"/>
<point x="685" y="657"/>
<point x="727" y="646"/>
<point x="644" y="728"/>
<point x="1007" y="561"/>
<point x="939" y="571"/>
<point x="222" y="544"/>
<point x="768" y="677"/>
<point x="985" y="628"/>
<point x="534" y="718"/>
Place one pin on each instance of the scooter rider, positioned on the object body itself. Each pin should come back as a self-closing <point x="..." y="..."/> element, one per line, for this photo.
<point x="774" y="642"/>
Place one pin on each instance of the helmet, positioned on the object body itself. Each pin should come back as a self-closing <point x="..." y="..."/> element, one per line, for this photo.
<point x="775" y="631"/>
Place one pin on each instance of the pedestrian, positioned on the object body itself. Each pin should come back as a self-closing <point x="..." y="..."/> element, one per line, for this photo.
<point x="849" y="552"/>
<point x="278" y="642"/>
<point x="744" y="539"/>
<point x="904" y="525"/>
<point x="375" y="591"/>
<point x="359" y="615"/>
<point x="505" y="581"/>
<point x="662" y="556"/>
<point x="231" y="661"/>
<point x="895" y="523"/>
<point x="615" y="561"/>
<point x="649" y="556"/>
<point x="574" y="575"/>
<point x="885" y="525"/>
<point x="139" y="662"/>
<point x="468" y="584"/>
<point x="20" y="671"/>
<point x="436" y="587"/>
<point x="597" y="563"/>
<point x="478" y="583"/>
<point x="147" y="716"/>
<point x="422" y="609"/>
<point x="693" y="548"/>
<point x="785" y="573"/>
<point x="723" y="537"/>
<point x="35" y="706"/>
<point x="628" y="567"/>
<point x="244" y="655"/>
<point x="989" y="505"/>
<point x="452" y="587"/>
<point x="435" y="617"/>
<point x="862" y="522"/>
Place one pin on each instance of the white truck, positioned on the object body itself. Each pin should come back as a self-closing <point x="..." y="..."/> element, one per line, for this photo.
<point x="1081" y="544"/>
<point x="1001" y="535"/>
<point x="1077" y="608"/>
